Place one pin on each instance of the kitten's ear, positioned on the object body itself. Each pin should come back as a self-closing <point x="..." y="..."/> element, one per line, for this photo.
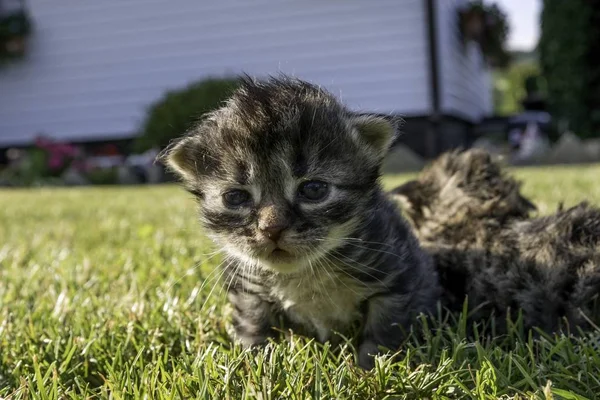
<point x="408" y="194"/>
<point x="377" y="131"/>
<point x="183" y="158"/>
<point x="527" y="204"/>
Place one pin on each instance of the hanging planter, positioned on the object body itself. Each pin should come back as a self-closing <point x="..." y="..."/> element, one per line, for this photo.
<point x="15" y="29"/>
<point x="472" y="22"/>
<point x="487" y="26"/>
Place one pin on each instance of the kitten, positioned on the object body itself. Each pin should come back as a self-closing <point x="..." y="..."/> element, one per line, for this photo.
<point x="473" y="220"/>
<point x="458" y="195"/>
<point x="287" y="181"/>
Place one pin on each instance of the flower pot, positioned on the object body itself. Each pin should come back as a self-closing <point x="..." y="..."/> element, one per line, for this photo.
<point x="473" y="25"/>
<point x="15" y="46"/>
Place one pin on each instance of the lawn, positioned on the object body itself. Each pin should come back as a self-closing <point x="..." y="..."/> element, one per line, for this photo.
<point x="108" y="292"/>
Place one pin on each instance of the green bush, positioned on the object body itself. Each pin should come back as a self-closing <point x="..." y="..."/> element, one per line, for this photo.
<point x="103" y="176"/>
<point x="569" y="47"/>
<point x="31" y="170"/>
<point x="511" y="84"/>
<point x="174" y="113"/>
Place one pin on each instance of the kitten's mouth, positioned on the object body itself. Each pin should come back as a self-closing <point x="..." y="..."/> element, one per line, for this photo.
<point x="280" y="255"/>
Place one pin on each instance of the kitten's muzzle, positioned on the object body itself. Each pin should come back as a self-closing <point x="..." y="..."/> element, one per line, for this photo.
<point x="273" y="221"/>
<point x="273" y="232"/>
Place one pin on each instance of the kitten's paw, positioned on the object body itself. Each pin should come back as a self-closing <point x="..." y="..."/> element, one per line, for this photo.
<point x="251" y="341"/>
<point x="366" y="354"/>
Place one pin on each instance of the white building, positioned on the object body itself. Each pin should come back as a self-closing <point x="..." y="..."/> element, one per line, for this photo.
<point x="93" y="67"/>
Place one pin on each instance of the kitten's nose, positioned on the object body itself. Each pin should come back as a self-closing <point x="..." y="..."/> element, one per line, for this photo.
<point x="273" y="221"/>
<point x="273" y="231"/>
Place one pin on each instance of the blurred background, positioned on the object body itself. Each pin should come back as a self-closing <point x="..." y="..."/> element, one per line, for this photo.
<point x="91" y="91"/>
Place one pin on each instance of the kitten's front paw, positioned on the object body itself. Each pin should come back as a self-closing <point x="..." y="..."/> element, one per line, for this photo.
<point x="251" y="341"/>
<point x="366" y="354"/>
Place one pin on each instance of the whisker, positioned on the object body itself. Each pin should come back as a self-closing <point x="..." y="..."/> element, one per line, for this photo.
<point x="324" y="288"/>
<point x="364" y="266"/>
<point x="331" y="271"/>
<point x="219" y="276"/>
<point x="194" y="268"/>
<point x="375" y="250"/>
<point x="314" y="274"/>
<point x="326" y="261"/>
<point x="247" y="273"/>
<point x="349" y="239"/>
<point x="233" y="276"/>
<point x="355" y="268"/>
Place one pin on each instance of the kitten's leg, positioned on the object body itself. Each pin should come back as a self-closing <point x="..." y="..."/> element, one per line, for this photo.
<point x="252" y="318"/>
<point x="387" y="323"/>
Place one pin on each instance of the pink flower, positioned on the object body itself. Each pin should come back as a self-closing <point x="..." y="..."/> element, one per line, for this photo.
<point x="42" y="142"/>
<point x="55" y="161"/>
<point x="79" y="165"/>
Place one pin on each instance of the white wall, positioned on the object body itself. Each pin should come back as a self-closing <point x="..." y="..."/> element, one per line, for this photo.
<point x="465" y="79"/>
<point x="94" y="66"/>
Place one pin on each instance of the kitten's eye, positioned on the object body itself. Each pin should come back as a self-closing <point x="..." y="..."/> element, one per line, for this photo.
<point x="313" y="190"/>
<point x="236" y="197"/>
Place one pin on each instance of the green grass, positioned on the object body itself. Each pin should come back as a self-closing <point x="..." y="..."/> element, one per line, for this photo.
<point x="103" y="294"/>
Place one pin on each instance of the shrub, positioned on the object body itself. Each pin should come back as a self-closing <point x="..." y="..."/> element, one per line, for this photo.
<point x="569" y="55"/>
<point x="511" y="85"/>
<point x="103" y="176"/>
<point x="177" y="110"/>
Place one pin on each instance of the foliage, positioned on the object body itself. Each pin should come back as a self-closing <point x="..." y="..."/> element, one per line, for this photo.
<point x="488" y="25"/>
<point x="31" y="169"/>
<point x="172" y="115"/>
<point x="108" y="293"/>
<point x="593" y="62"/>
<point x="102" y="176"/>
<point x="59" y="156"/>
<point x="510" y="86"/>
<point x="42" y="163"/>
<point x="570" y="60"/>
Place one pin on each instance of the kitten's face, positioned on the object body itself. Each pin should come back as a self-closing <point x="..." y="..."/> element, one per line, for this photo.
<point x="283" y="172"/>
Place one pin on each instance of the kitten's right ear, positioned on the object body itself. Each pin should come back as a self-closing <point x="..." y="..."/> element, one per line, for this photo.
<point x="184" y="158"/>
<point x="408" y="194"/>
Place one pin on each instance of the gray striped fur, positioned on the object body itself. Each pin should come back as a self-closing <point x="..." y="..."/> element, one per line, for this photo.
<point x="349" y="260"/>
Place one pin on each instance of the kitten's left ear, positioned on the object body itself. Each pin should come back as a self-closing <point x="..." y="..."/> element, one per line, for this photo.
<point x="377" y="131"/>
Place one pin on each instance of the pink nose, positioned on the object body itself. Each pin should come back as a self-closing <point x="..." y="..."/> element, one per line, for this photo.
<point x="273" y="231"/>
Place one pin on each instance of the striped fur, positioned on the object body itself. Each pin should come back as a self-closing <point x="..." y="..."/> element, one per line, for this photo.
<point x="473" y="220"/>
<point x="346" y="260"/>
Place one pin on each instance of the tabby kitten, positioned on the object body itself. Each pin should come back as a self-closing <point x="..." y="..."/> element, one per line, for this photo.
<point x="471" y="217"/>
<point x="288" y="186"/>
<point x="458" y="196"/>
